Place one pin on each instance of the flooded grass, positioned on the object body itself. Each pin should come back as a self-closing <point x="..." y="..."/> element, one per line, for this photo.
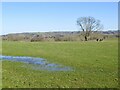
<point x="37" y="63"/>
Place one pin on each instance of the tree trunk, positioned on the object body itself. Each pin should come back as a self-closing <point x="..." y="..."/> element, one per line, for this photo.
<point x="85" y="38"/>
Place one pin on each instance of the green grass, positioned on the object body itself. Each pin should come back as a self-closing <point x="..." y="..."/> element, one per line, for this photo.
<point x="95" y="64"/>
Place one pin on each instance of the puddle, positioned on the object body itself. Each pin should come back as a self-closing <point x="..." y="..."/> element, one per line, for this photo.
<point x="37" y="63"/>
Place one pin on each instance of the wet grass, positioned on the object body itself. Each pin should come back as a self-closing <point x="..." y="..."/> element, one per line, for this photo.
<point x="95" y="64"/>
<point x="37" y="63"/>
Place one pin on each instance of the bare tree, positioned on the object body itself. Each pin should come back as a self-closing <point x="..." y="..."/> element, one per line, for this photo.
<point x="88" y="25"/>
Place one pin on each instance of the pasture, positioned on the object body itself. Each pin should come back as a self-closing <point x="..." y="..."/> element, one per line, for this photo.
<point x="95" y="64"/>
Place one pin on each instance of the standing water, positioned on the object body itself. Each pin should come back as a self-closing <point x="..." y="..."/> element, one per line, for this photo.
<point x="37" y="63"/>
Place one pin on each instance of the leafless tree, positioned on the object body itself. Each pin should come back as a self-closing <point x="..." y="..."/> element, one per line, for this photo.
<point x="89" y="25"/>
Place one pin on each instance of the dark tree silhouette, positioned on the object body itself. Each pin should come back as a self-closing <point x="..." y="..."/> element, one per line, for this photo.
<point x="89" y="25"/>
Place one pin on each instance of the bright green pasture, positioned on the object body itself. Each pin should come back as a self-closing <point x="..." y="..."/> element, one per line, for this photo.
<point x="95" y="64"/>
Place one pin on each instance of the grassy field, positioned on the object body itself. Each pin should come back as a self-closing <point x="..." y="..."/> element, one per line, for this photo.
<point x="95" y="64"/>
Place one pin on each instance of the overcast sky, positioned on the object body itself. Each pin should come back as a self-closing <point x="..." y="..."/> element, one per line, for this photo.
<point x="60" y="16"/>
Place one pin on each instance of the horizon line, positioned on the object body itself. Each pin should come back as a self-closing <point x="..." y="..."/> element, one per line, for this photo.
<point x="53" y="31"/>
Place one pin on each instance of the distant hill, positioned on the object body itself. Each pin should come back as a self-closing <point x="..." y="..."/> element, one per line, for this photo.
<point x="54" y="36"/>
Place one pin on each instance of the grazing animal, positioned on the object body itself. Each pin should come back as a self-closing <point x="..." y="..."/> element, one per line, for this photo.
<point x="99" y="39"/>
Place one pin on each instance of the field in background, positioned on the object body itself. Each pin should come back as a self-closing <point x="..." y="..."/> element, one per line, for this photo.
<point x="95" y="64"/>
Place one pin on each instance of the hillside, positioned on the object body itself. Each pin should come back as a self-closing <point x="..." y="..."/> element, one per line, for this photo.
<point x="58" y="36"/>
